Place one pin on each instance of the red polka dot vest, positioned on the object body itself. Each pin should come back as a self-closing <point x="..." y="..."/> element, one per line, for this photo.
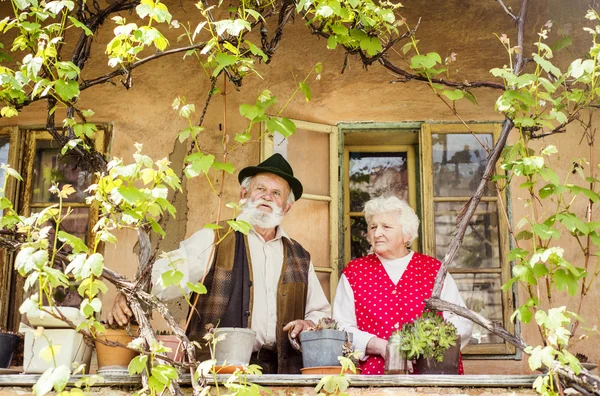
<point x="382" y="306"/>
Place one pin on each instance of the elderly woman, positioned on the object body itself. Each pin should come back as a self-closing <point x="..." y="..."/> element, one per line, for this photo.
<point x="380" y="292"/>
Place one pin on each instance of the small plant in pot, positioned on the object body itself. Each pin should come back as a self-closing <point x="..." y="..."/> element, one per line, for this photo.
<point x="113" y="357"/>
<point x="8" y="345"/>
<point x="432" y="341"/>
<point x="322" y="346"/>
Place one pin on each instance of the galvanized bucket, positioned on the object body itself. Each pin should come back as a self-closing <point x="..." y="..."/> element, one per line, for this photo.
<point x="236" y="347"/>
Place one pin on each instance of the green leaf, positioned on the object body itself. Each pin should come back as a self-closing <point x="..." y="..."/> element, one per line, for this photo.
<point x="517" y="253"/>
<point x="545" y="232"/>
<point x="254" y="49"/>
<point x="213" y="226"/>
<point x="76" y="243"/>
<point x="223" y="60"/>
<point x="470" y="97"/>
<point x="453" y="95"/>
<point x="171" y="277"/>
<point x="50" y="352"/>
<point x="197" y="288"/>
<point x="226" y="166"/>
<point x="131" y="195"/>
<point x="8" y="111"/>
<point x="137" y="364"/>
<point x="240" y="226"/>
<point x="594" y="197"/>
<point x="372" y="45"/>
<point x="187" y="110"/>
<point x="547" y="65"/>
<point x="242" y="137"/>
<point x="332" y="42"/>
<point x="284" y="126"/>
<point x="525" y="274"/>
<point x="248" y="111"/>
<point x="200" y="165"/>
<point x="306" y="91"/>
<point x="56" y="378"/>
<point x="67" y="90"/>
<point x="81" y="26"/>
<point x="561" y="43"/>
<point x="524" y="314"/>
<point x="96" y="263"/>
<point x="566" y="279"/>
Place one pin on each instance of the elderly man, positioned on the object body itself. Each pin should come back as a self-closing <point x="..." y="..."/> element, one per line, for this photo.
<point x="264" y="280"/>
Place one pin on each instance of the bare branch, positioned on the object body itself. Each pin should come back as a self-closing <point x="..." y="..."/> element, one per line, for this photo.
<point x="105" y="78"/>
<point x="507" y="10"/>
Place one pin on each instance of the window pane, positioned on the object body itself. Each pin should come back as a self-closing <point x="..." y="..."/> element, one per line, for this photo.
<point x="458" y="164"/>
<point x="50" y="167"/>
<point x="375" y="174"/>
<point x="359" y="246"/>
<point x="480" y="247"/>
<point x="481" y="293"/>
<point x="308" y="223"/>
<point x="308" y="153"/>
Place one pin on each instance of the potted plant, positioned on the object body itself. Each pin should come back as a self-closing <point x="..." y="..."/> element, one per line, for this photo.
<point x="171" y="341"/>
<point x="432" y="341"/>
<point x="322" y="346"/>
<point x="8" y="346"/>
<point x="114" y="358"/>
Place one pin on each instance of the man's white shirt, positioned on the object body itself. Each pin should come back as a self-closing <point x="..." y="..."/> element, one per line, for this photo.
<point x="193" y="260"/>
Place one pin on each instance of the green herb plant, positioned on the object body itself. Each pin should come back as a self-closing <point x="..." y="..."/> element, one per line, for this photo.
<point x="428" y="336"/>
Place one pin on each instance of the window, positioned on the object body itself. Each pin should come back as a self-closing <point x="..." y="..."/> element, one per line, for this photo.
<point x="453" y="160"/>
<point x="39" y="161"/>
<point x="436" y="168"/>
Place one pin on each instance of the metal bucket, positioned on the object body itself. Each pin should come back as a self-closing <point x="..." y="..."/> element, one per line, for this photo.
<point x="236" y="347"/>
<point x="322" y="348"/>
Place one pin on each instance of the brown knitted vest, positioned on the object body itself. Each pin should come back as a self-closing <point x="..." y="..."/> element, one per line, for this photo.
<point x="228" y="302"/>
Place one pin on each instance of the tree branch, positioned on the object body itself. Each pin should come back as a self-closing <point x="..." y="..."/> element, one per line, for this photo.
<point x="105" y="78"/>
<point x="507" y="10"/>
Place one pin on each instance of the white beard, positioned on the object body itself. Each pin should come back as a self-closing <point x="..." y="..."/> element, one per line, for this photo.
<point x="257" y="217"/>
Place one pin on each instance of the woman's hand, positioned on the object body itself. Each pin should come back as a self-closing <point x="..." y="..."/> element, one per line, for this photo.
<point x="376" y="346"/>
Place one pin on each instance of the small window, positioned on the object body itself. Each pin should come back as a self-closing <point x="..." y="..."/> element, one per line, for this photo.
<point x="37" y="157"/>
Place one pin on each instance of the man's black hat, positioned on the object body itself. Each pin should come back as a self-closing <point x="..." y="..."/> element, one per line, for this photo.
<point x="277" y="165"/>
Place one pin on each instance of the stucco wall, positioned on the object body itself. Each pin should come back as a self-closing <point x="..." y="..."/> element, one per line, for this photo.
<point x="144" y="114"/>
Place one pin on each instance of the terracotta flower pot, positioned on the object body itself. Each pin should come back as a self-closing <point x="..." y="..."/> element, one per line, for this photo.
<point x="172" y="342"/>
<point x="112" y="357"/>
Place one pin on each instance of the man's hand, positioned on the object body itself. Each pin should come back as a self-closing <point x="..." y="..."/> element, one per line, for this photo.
<point x="295" y="327"/>
<point x="120" y="312"/>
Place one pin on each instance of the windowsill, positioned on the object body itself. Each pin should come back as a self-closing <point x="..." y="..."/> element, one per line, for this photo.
<point x="485" y="381"/>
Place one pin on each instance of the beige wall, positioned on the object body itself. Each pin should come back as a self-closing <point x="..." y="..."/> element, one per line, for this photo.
<point x="143" y="113"/>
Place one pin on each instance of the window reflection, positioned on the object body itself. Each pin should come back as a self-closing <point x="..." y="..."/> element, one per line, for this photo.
<point x="375" y="174"/>
<point x="481" y="293"/>
<point x="50" y="167"/>
<point x="458" y="164"/>
<point x="481" y="243"/>
<point x="4" y="146"/>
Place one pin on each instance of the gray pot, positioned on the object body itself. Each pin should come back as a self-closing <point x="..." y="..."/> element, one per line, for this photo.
<point x="322" y="348"/>
<point x="236" y="347"/>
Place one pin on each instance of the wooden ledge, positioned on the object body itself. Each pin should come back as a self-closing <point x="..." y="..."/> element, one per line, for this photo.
<point x="485" y="381"/>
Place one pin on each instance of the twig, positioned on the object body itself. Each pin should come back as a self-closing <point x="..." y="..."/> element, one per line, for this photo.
<point x="507" y="10"/>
